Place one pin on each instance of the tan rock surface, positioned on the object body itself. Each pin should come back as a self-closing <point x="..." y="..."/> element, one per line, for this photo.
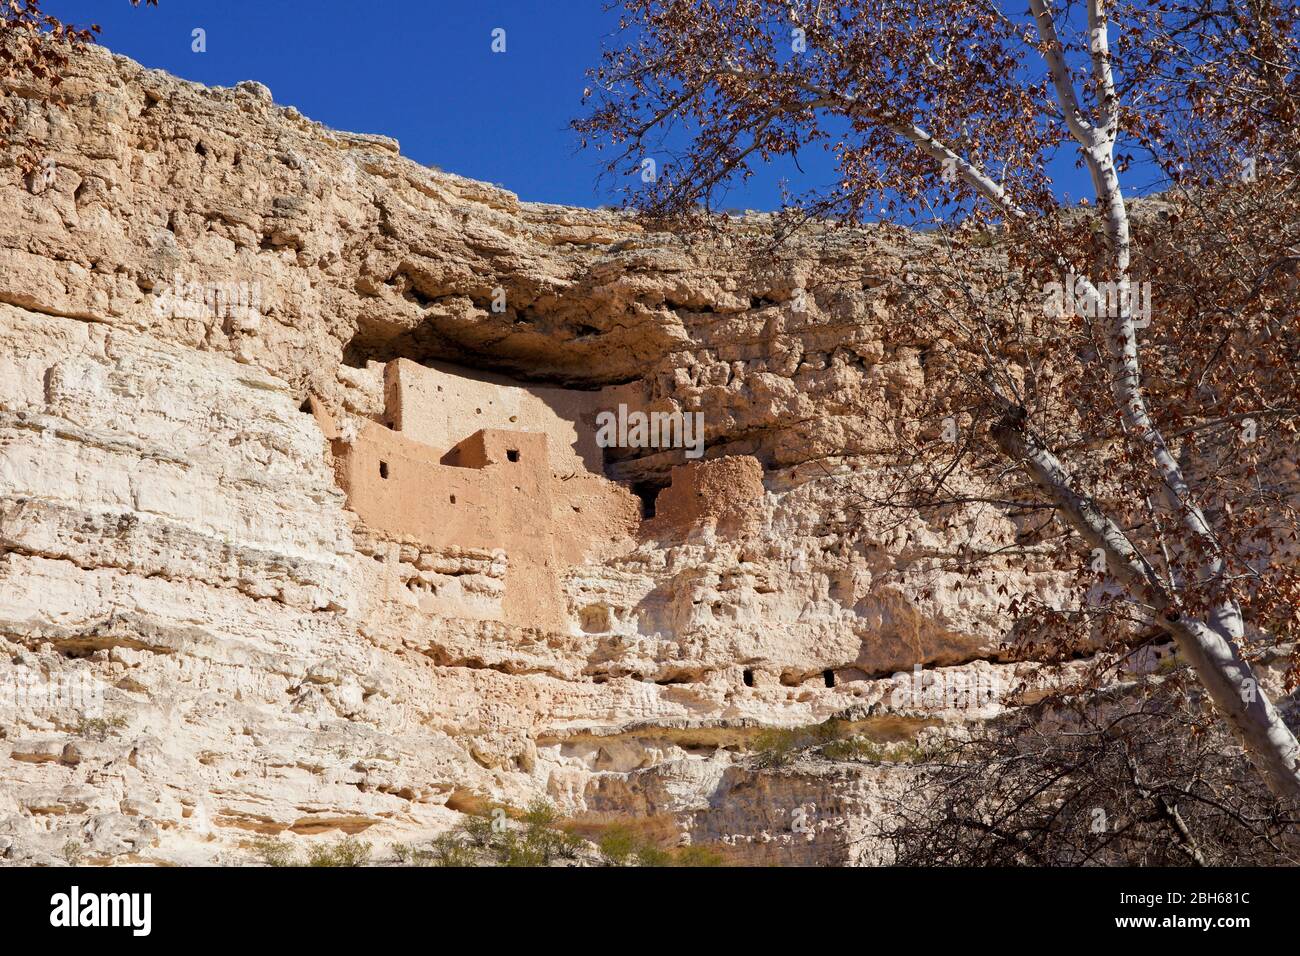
<point x="259" y="659"/>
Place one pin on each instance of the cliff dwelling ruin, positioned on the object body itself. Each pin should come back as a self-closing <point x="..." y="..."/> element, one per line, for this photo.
<point x="468" y="463"/>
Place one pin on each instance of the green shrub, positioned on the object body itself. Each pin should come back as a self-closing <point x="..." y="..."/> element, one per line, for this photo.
<point x="346" y="852"/>
<point x="541" y="815"/>
<point x="568" y="844"/>
<point x="514" y="849"/>
<point x="618" y="844"/>
<point x="449" y="851"/>
<point x="827" y="731"/>
<point x="274" y="852"/>
<point x="777" y="746"/>
<point x="648" y="855"/>
<point x="538" y="838"/>
<point x="854" y="748"/>
<point x="544" y="833"/>
<point x="698" y="856"/>
<point x="478" y="830"/>
<point x="861" y="748"/>
<point x="99" y="728"/>
<point x="408" y="855"/>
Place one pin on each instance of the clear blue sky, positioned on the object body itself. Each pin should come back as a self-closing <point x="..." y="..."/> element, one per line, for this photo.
<point x="423" y="72"/>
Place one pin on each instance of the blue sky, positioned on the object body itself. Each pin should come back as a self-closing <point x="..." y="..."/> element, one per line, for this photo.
<point x="423" y="72"/>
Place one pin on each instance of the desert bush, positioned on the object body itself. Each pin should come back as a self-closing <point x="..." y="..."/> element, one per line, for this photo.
<point x="99" y="728"/>
<point x="539" y="838"/>
<point x="519" y="849"/>
<point x="698" y="856"/>
<point x="448" y="851"/>
<point x="650" y="855"/>
<point x="777" y="746"/>
<point x="73" y="852"/>
<point x="870" y="751"/>
<point x="618" y="844"/>
<point x="274" y="852"/>
<point x="621" y="845"/>
<point x="478" y="830"/>
<point x="346" y="852"/>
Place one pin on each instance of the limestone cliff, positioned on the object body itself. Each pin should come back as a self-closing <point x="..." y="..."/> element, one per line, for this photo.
<point x="254" y="655"/>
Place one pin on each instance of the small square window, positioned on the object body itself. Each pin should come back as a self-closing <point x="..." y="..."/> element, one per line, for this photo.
<point x="512" y="454"/>
<point x="453" y="499"/>
<point x="383" y="469"/>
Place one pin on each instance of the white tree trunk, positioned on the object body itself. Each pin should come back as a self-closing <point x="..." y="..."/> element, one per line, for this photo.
<point x="1226" y="676"/>
<point x="1211" y="646"/>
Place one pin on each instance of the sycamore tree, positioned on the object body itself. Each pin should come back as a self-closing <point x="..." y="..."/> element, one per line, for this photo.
<point x="1133" y="774"/>
<point x="1124" y="367"/>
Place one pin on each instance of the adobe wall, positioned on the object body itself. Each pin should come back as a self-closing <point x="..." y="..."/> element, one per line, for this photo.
<point x="476" y="464"/>
<point x="726" y="491"/>
<point x="493" y="488"/>
<point x="400" y="487"/>
<point x="440" y="408"/>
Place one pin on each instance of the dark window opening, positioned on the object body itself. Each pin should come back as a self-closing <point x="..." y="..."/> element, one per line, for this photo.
<point x="453" y="499"/>
<point x="829" y="677"/>
<point x="512" y="454"/>
<point x="749" y="678"/>
<point x="383" y="469"/>
<point x="647" y="492"/>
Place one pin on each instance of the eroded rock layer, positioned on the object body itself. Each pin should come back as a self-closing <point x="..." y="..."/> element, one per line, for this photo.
<point x="206" y="640"/>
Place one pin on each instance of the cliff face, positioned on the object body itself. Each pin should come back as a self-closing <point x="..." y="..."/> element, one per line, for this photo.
<point x="206" y="639"/>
